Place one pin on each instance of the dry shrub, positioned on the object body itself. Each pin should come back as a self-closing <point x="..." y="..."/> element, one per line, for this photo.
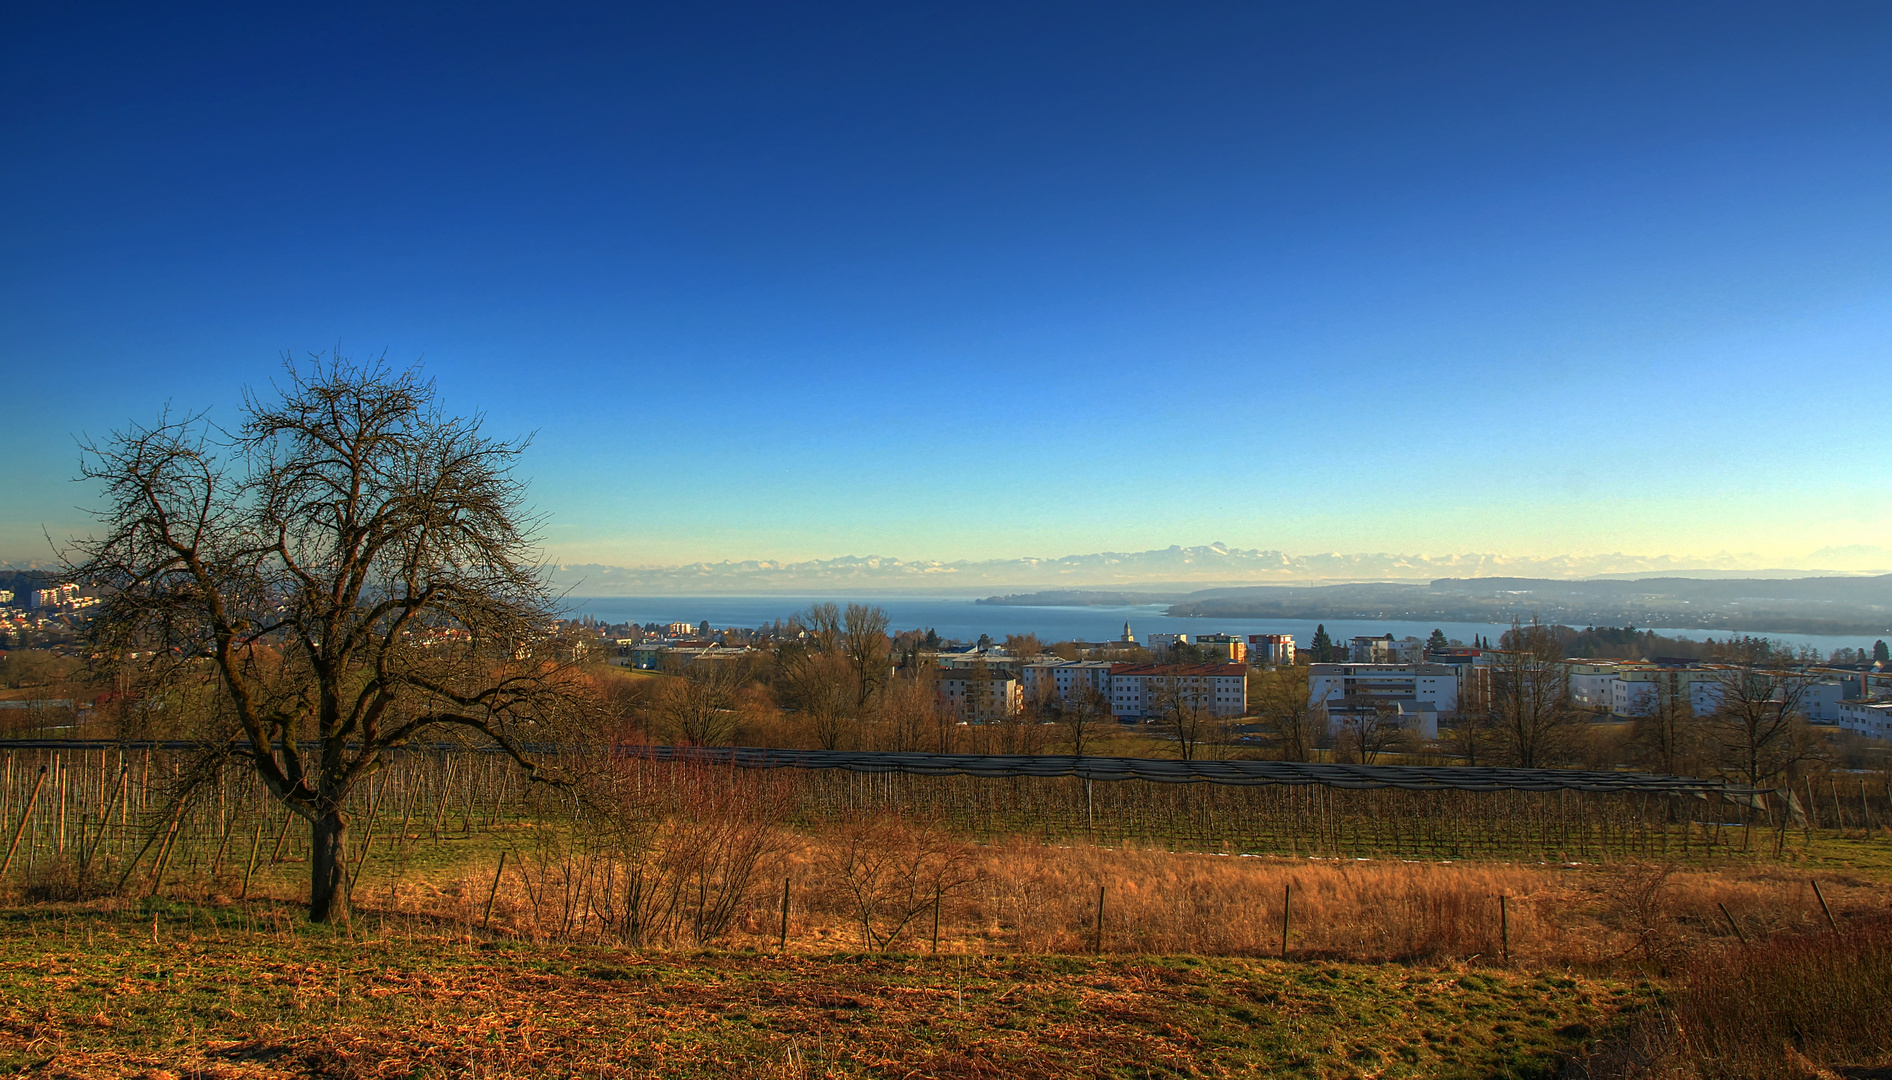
<point x="1796" y="1005"/>
<point x="885" y="871"/>
<point x="670" y="860"/>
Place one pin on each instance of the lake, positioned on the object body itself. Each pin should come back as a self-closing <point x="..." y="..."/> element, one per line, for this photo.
<point x="959" y="617"/>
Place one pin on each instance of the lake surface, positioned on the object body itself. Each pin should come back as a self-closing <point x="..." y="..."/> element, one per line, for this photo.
<point x="959" y="617"/>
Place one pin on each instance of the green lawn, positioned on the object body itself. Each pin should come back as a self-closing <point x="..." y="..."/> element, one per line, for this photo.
<point x="250" y="991"/>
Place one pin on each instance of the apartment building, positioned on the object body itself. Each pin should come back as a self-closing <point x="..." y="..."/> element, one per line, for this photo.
<point x="1138" y="691"/>
<point x="1873" y="719"/>
<point x="1270" y="649"/>
<point x="980" y="696"/>
<point x="1433" y="685"/>
<point x="1063" y="679"/>
<point x="1227" y="648"/>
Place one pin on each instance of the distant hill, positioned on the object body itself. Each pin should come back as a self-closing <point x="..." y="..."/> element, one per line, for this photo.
<point x="1807" y="605"/>
<point x="1174" y="572"/>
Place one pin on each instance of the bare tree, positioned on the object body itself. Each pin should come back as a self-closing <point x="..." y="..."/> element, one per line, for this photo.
<point x="1023" y="646"/>
<point x="863" y="640"/>
<point x="1280" y="698"/>
<point x="1365" y="729"/>
<point x="1085" y="716"/>
<point x="352" y="569"/>
<point x="1185" y="713"/>
<point x="908" y="709"/>
<point x="1664" y="732"/>
<point x="1758" y="722"/>
<point x="702" y="704"/>
<point x="1531" y="713"/>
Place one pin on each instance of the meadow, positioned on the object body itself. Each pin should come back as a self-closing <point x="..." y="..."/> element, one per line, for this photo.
<point x="689" y="919"/>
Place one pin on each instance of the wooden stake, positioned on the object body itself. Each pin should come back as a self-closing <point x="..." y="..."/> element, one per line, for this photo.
<point x="1098" y="945"/>
<point x="1829" y="911"/>
<point x="25" y="813"/>
<point x="1735" y="926"/>
<point x="1504" y="929"/>
<point x="1287" y="901"/>
<point x="781" y="941"/>
<point x="494" y="891"/>
<point x="256" y="848"/>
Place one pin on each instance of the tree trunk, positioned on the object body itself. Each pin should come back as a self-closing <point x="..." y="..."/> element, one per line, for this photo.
<point x="328" y="868"/>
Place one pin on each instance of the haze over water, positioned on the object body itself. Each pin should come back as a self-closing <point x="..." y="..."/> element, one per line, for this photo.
<point x="962" y="619"/>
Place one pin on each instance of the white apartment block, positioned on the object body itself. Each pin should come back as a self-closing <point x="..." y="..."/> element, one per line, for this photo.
<point x="1436" y="685"/>
<point x="1266" y="649"/>
<point x="1873" y="719"/>
<point x="980" y="696"/>
<point x="1138" y="691"/>
<point x="1159" y="642"/>
<point x="1593" y="682"/>
<point x="1063" y="679"/>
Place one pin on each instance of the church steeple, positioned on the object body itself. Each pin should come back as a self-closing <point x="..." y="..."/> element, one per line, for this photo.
<point x="1128" y="637"/>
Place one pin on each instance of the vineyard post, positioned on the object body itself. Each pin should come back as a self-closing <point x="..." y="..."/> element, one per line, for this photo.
<point x="256" y="848"/>
<point x="1287" y="903"/>
<point x="1821" y="897"/>
<point x="1504" y="930"/>
<point x="25" y="813"/>
<point x="781" y="941"/>
<point x="493" y="893"/>
<point x="1098" y="945"/>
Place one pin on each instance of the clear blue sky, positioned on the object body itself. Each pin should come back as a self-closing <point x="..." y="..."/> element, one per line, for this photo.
<point x="978" y="281"/>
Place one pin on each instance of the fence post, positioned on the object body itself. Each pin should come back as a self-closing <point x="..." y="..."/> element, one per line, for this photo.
<point x="256" y="848"/>
<point x="1735" y="926"/>
<point x="1829" y="911"/>
<point x="781" y="943"/>
<point x="1287" y="902"/>
<point x="1504" y="930"/>
<point x="25" y="813"/>
<point x="493" y="893"/>
<point x="1097" y="945"/>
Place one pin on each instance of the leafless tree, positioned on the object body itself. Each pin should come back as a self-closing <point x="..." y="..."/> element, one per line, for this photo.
<point x="1280" y="698"/>
<point x="1185" y="713"/>
<point x="1664" y="732"/>
<point x="1084" y="714"/>
<point x="1366" y="729"/>
<point x="702" y="704"/>
<point x="1758" y="722"/>
<point x="1023" y="646"/>
<point x="1530" y="711"/>
<point x="351" y="569"/>
<point x="863" y="640"/>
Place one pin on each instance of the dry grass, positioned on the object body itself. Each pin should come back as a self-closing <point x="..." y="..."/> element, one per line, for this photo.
<point x="1030" y="898"/>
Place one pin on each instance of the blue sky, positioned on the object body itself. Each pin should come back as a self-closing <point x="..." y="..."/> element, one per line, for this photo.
<point x="963" y="281"/>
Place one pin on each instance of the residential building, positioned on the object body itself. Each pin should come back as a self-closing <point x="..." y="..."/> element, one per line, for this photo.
<point x="1269" y="649"/>
<point x="1593" y="682"/>
<point x="1064" y="678"/>
<point x="1228" y="648"/>
<point x="1138" y="691"/>
<point x="1873" y="719"/>
<point x="1372" y="650"/>
<point x="980" y="695"/>
<point x="1158" y="642"/>
<point x="1435" y="684"/>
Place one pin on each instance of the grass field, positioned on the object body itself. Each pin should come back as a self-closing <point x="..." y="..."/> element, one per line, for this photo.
<point x="251" y="991"/>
